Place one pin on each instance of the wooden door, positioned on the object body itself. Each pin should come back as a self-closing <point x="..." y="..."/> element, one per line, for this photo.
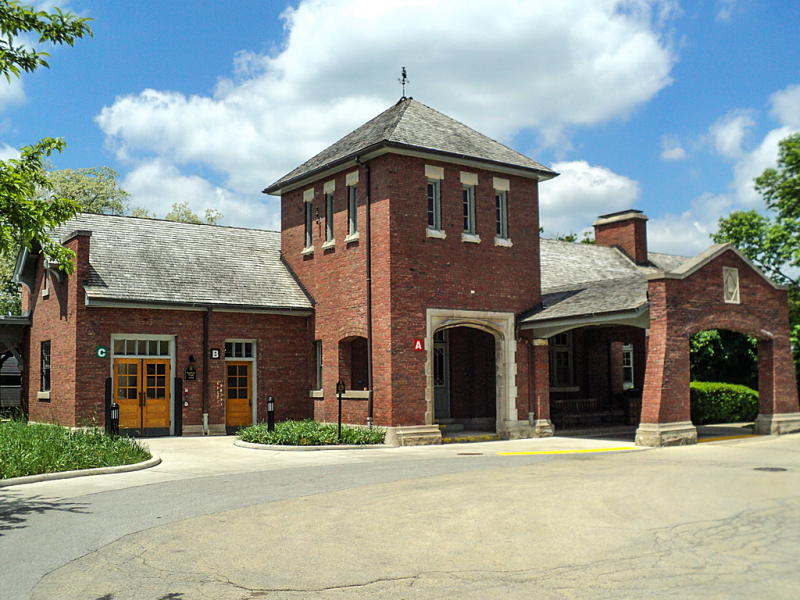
<point x="142" y="390"/>
<point x="155" y="393"/>
<point x="239" y="394"/>
<point x="127" y="387"/>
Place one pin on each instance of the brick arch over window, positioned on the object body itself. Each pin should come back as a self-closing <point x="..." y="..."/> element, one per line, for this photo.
<point x="691" y="300"/>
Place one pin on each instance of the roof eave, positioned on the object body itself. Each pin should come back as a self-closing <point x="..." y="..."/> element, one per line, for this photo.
<point x="280" y="186"/>
<point x="545" y="328"/>
<point x="100" y="302"/>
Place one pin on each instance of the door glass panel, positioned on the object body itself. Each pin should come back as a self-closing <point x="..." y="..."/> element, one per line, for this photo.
<point x="151" y="392"/>
<point x="161" y="381"/>
<point x="161" y="369"/>
<point x="151" y="369"/>
<point x="161" y="393"/>
<point x="151" y="381"/>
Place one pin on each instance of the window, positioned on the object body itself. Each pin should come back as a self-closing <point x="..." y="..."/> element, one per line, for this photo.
<point x="352" y="210"/>
<point x="468" y="193"/>
<point x="128" y="347"/>
<point x="238" y="349"/>
<point x="309" y="223"/>
<point x="501" y="214"/>
<point x="561" y="360"/>
<point x="318" y="344"/>
<point x="627" y="366"/>
<point x="730" y="284"/>
<point x="434" y="205"/>
<point x="45" y="371"/>
<point x="329" y="218"/>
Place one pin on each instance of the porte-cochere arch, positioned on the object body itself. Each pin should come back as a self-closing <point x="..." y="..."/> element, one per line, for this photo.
<point x="718" y="289"/>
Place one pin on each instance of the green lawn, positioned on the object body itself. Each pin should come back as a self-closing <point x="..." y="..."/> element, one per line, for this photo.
<point x="310" y="433"/>
<point x="32" y="449"/>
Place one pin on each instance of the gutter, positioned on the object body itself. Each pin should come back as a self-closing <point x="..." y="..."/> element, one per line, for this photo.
<point x="368" y="243"/>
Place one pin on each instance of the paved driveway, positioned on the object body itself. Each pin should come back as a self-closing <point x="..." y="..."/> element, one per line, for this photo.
<point x="528" y="519"/>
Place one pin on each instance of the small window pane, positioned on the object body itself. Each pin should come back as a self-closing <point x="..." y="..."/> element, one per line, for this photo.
<point x="151" y="393"/>
<point x="119" y="346"/>
<point x="161" y="381"/>
<point x="161" y="393"/>
<point x="161" y="369"/>
<point x="232" y="393"/>
<point x="151" y="381"/>
<point x="248" y="350"/>
<point x="164" y="347"/>
<point x="151" y="369"/>
<point x="232" y="370"/>
<point x="142" y="347"/>
<point x="231" y="383"/>
<point x="228" y="349"/>
<point x="152" y="348"/>
<point x="130" y="346"/>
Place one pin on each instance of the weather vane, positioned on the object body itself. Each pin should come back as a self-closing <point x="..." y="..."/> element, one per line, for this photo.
<point x="403" y="81"/>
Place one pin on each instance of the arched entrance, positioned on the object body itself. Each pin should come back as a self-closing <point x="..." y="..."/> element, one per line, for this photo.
<point x="472" y="344"/>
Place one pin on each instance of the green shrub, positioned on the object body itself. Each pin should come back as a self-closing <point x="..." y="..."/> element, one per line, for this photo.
<point x="32" y="449"/>
<point x="310" y="433"/>
<point x="722" y="403"/>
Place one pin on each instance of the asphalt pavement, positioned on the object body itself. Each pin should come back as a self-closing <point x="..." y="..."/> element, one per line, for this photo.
<point x="547" y="518"/>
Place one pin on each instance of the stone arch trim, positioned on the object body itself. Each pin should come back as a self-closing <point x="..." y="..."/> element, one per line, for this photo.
<point x="502" y="327"/>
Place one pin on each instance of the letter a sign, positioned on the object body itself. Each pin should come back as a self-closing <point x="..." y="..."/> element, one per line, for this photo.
<point x="419" y="345"/>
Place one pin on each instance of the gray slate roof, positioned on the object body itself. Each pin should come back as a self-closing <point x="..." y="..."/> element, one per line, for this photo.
<point x="583" y="279"/>
<point x="146" y="260"/>
<point x="412" y="125"/>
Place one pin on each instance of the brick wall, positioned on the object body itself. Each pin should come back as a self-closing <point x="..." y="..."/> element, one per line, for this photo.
<point x="410" y="272"/>
<point x="681" y="307"/>
<point x="630" y="235"/>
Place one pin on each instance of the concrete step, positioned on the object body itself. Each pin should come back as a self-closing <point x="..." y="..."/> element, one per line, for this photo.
<point x="469" y="436"/>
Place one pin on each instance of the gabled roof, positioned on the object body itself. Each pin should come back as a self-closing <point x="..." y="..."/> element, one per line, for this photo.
<point x="135" y="260"/>
<point x="597" y="282"/>
<point x="413" y="126"/>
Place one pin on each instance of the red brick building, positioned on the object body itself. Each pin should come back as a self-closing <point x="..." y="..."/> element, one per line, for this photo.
<point x="409" y="267"/>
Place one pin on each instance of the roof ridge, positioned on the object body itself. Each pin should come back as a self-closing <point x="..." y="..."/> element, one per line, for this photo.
<point x="150" y="219"/>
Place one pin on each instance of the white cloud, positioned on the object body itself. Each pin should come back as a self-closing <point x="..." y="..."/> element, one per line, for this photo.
<point x="7" y="152"/>
<point x="786" y="106"/>
<point x="688" y="233"/>
<point x="729" y="133"/>
<point x="156" y="186"/>
<point x="11" y="92"/>
<point x="499" y="67"/>
<point x="671" y="149"/>
<point x="580" y="194"/>
<point x="727" y="8"/>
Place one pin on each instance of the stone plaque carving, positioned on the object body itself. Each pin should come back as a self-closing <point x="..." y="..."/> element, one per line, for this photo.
<point x="730" y="283"/>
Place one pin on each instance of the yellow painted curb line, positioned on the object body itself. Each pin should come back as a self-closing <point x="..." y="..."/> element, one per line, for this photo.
<point x="729" y="437"/>
<point x="568" y="451"/>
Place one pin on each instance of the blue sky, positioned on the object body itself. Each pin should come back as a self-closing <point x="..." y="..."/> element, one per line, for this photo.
<point x="668" y="107"/>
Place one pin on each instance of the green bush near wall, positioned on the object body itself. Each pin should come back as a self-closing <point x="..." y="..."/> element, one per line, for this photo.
<point x="722" y="403"/>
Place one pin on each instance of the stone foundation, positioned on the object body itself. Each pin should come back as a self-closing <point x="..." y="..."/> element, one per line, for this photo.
<point x="777" y="424"/>
<point x="414" y="435"/>
<point x="657" y="435"/>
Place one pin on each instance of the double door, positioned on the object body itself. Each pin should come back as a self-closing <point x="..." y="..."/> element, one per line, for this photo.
<point x="142" y="390"/>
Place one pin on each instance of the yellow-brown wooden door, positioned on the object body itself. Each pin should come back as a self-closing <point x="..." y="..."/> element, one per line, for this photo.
<point x="155" y="393"/>
<point x="127" y="387"/>
<point x="142" y="390"/>
<point x="238" y="394"/>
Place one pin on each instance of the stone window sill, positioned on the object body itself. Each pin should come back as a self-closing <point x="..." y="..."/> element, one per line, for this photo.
<point x="438" y="234"/>
<point x="329" y="245"/>
<point x="43" y="396"/>
<point x="307" y="251"/>
<point x="472" y="238"/>
<point x="353" y="237"/>
<point x="317" y="394"/>
<point x="504" y="242"/>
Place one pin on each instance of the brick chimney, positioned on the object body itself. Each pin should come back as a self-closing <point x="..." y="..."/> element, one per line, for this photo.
<point x="626" y="230"/>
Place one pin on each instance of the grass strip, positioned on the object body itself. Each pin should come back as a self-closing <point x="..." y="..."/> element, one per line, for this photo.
<point x="32" y="449"/>
<point x="311" y="433"/>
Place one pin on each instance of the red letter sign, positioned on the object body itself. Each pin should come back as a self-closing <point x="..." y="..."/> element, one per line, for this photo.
<point x="419" y="345"/>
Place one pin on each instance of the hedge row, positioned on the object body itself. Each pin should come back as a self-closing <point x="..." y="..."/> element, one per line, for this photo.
<point x="722" y="403"/>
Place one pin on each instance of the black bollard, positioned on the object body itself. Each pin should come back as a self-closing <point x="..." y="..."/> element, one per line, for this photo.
<point x="114" y="418"/>
<point x="270" y="414"/>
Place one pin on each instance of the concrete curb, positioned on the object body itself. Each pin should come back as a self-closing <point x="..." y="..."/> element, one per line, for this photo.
<point x="155" y="460"/>
<point x="252" y="446"/>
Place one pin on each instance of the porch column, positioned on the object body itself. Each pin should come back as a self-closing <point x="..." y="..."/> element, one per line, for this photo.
<point x="540" y="382"/>
<point x="777" y="388"/>
<point x="666" y="417"/>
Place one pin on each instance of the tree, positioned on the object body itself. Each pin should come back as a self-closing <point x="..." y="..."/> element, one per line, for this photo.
<point x="183" y="213"/>
<point x="94" y="189"/>
<point x="773" y="242"/>
<point x="27" y="211"/>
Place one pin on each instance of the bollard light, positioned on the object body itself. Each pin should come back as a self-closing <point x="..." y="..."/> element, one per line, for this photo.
<point x="270" y="414"/>
<point x="114" y="418"/>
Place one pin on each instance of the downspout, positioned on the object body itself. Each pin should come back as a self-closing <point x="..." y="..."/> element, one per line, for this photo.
<point x="206" y="318"/>
<point x="368" y="241"/>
